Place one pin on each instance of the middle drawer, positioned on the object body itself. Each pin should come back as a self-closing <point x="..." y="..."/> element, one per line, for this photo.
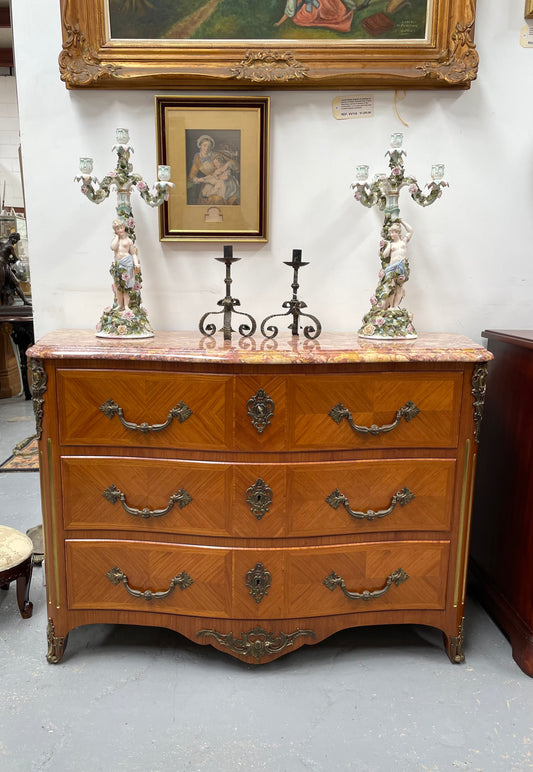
<point x="257" y="500"/>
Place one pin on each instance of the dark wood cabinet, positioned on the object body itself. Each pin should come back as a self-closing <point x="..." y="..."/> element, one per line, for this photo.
<point x="502" y="531"/>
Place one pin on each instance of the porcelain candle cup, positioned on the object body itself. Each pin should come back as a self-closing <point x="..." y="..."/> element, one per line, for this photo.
<point x="396" y="140"/>
<point x="123" y="136"/>
<point x="86" y="165"/>
<point x="163" y="173"/>
<point x="361" y="173"/>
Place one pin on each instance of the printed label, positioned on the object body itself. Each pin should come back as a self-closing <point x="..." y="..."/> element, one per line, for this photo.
<point x="360" y="106"/>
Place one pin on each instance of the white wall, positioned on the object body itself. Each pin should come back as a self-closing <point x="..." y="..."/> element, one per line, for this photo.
<point x="9" y="144"/>
<point x="471" y="261"/>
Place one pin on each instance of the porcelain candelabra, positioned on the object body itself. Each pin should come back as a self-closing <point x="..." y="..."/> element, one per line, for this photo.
<point x="126" y="317"/>
<point x="386" y="319"/>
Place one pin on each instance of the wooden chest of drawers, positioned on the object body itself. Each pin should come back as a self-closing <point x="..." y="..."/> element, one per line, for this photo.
<point x="260" y="495"/>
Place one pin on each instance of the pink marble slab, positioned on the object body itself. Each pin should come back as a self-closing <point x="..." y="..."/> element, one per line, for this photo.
<point x="335" y="347"/>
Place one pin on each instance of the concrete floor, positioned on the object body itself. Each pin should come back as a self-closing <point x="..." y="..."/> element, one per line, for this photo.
<point x="148" y="700"/>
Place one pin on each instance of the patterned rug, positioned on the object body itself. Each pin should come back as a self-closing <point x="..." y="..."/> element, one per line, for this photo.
<point x="25" y="457"/>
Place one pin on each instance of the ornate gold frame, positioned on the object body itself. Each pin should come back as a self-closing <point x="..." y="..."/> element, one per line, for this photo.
<point x="528" y="11"/>
<point x="91" y="59"/>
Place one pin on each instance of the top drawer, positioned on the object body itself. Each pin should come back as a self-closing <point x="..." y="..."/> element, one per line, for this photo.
<point x="352" y="411"/>
<point x="144" y="409"/>
<point x="259" y="413"/>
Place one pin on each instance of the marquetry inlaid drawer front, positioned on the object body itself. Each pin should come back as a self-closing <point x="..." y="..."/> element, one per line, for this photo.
<point x="155" y="496"/>
<point x="149" y="576"/>
<point x="144" y="409"/>
<point x="370" y="496"/>
<point x="370" y="410"/>
<point x="355" y="497"/>
<point x="259" y="413"/>
<point x="256" y="583"/>
<point x="309" y="581"/>
<point x="257" y="500"/>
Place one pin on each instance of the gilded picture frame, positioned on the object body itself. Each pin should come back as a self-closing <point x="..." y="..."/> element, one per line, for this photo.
<point x="528" y="11"/>
<point x="218" y="150"/>
<point x="296" y="44"/>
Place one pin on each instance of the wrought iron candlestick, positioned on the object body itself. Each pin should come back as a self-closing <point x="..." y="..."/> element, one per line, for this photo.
<point x="386" y="320"/>
<point x="294" y="306"/>
<point x="126" y="317"/>
<point x="228" y="304"/>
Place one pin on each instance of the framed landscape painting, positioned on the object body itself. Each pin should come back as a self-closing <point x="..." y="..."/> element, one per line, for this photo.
<point x="268" y="44"/>
<point x="217" y="149"/>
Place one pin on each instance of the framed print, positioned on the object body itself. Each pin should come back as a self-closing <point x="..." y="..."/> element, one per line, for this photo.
<point x="528" y="11"/>
<point x="228" y="44"/>
<point x="217" y="149"/>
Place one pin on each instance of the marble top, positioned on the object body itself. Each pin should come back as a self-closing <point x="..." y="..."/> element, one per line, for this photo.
<point x="335" y="348"/>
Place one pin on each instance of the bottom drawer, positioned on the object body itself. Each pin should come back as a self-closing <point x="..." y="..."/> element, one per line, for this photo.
<point x="270" y="583"/>
<point x="104" y="574"/>
<point x="340" y="579"/>
<point x="369" y="577"/>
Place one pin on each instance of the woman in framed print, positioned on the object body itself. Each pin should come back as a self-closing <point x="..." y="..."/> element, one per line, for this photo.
<point x="214" y="174"/>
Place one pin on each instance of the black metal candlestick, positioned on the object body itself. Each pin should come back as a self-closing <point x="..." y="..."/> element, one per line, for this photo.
<point x="228" y="305"/>
<point x="294" y="306"/>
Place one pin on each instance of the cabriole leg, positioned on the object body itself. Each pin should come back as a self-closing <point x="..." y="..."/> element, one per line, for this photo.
<point x="23" y="590"/>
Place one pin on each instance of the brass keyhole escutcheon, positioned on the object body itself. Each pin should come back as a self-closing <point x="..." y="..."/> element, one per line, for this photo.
<point x="259" y="497"/>
<point x="258" y="582"/>
<point x="260" y="409"/>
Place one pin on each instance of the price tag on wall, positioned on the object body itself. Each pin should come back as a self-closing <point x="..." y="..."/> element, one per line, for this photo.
<point x="526" y="35"/>
<point x="359" y="106"/>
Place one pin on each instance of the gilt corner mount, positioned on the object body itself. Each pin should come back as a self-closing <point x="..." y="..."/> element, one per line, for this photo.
<point x="338" y="44"/>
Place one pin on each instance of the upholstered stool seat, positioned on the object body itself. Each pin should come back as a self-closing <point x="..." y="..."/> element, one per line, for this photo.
<point x="16" y="562"/>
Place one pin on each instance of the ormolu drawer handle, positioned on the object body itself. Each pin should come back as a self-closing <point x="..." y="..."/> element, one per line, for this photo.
<point x="408" y="411"/>
<point x="402" y="498"/>
<point x="116" y="576"/>
<point x="181" y="412"/>
<point x="181" y="498"/>
<point x="397" y="577"/>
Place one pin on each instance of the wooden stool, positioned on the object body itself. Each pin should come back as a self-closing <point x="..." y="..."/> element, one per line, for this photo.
<point x="16" y="562"/>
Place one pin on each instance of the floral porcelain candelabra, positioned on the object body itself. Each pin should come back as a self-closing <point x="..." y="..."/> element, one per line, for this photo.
<point x="126" y="317"/>
<point x="386" y="320"/>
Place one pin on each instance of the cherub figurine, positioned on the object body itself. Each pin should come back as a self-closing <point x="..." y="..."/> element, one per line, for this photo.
<point x="396" y="273"/>
<point x="125" y="267"/>
<point x="386" y="319"/>
<point x="126" y="317"/>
